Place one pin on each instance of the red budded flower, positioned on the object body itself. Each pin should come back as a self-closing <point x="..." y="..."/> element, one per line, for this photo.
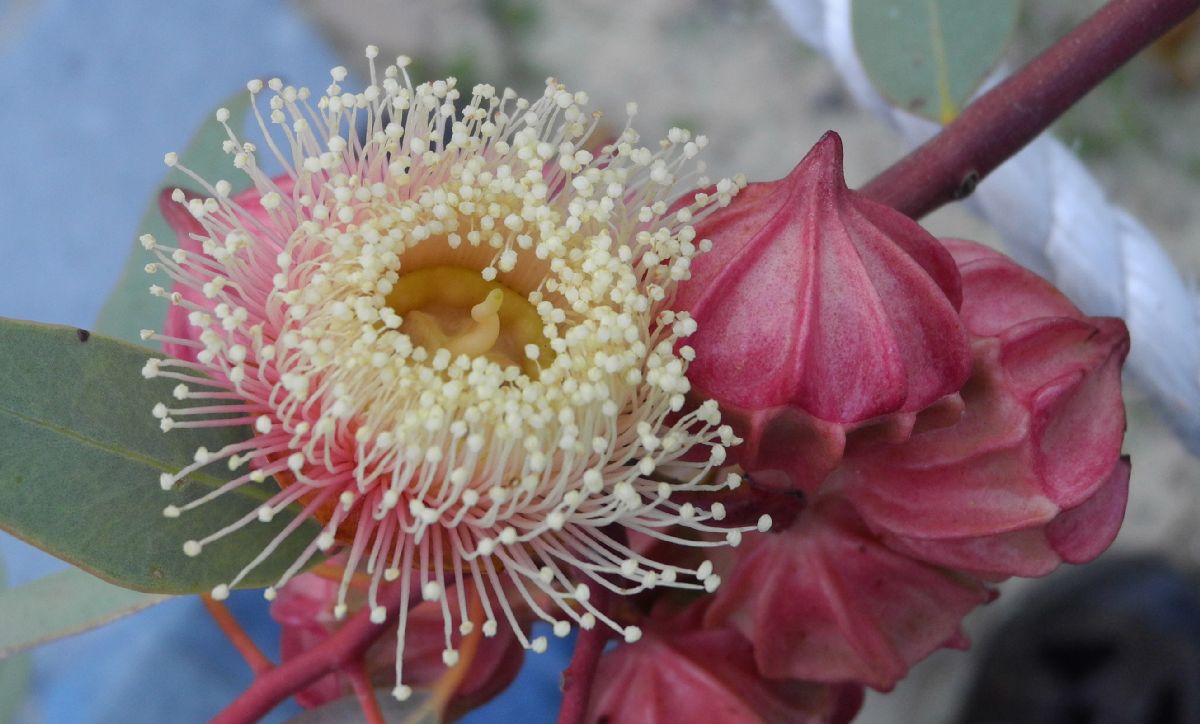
<point x="897" y="546"/>
<point x="838" y="336"/>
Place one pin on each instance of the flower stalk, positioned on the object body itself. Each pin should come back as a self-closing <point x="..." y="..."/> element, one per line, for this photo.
<point x="255" y="658"/>
<point x="365" y="693"/>
<point x="1002" y="121"/>
<point x="345" y="646"/>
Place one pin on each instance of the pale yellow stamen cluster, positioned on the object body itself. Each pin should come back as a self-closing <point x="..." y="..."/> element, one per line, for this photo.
<point x="456" y="326"/>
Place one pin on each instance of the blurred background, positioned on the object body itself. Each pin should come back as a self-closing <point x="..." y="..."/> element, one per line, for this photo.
<point x="95" y="93"/>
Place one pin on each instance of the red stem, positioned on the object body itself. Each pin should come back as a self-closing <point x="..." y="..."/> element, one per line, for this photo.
<point x="237" y="635"/>
<point x="365" y="692"/>
<point x="1012" y="114"/>
<point x="348" y="643"/>
<point x="580" y="674"/>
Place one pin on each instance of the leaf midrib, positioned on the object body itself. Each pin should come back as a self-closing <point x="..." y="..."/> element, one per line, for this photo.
<point x="117" y="451"/>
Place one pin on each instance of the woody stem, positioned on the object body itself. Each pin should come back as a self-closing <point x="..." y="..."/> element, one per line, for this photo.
<point x="1003" y="120"/>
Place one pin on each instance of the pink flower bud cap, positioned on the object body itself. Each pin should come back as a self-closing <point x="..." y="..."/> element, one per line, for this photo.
<point x="819" y="310"/>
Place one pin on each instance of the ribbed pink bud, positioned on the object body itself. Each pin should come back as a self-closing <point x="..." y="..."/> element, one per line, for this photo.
<point x="819" y="312"/>
<point x="1031" y="476"/>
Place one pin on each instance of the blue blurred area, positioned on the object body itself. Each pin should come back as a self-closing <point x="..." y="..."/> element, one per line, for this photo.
<point x="94" y="94"/>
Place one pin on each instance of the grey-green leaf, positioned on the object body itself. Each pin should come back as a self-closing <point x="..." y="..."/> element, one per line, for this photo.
<point x="80" y="460"/>
<point x="14" y="671"/>
<point x="130" y="308"/>
<point x="929" y="56"/>
<point x="14" y="685"/>
<point x="63" y="604"/>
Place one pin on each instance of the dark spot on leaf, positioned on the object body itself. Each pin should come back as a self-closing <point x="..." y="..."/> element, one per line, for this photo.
<point x="156" y="572"/>
<point x="83" y="334"/>
<point x="917" y="104"/>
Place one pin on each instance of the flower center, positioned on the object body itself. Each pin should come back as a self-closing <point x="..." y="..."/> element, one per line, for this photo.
<point x="453" y="308"/>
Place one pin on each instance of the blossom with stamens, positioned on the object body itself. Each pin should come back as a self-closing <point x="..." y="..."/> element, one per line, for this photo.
<point x="449" y="325"/>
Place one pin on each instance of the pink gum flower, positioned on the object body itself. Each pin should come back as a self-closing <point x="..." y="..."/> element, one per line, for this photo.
<point x="819" y="311"/>
<point x="707" y="676"/>
<point x="1031" y="476"/>
<point x="825" y="600"/>
<point x="447" y="331"/>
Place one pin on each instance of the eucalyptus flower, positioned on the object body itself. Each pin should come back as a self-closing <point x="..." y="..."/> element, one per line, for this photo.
<point x="449" y="325"/>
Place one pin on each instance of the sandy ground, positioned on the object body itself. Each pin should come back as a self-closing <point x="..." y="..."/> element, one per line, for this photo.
<point x="732" y="70"/>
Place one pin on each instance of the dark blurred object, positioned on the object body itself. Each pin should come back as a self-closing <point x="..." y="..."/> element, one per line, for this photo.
<point x="1117" y="642"/>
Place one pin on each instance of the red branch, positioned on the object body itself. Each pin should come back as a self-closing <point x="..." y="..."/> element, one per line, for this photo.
<point x="347" y="644"/>
<point x="357" y="672"/>
<point x="237" y="635"/>
<point x="1012" y="114"/>
<point x="580" y="674"/>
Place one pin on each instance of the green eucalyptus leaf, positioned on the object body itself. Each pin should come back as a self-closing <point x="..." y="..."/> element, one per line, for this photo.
<point x="929" y="56"/>
<point x="63" y="604"/>
<point x="130" y="308"/>
<point x="14" y="671"/>
<point x="80" y="460"/>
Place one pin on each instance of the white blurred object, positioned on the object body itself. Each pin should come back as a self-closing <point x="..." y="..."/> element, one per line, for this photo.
<point x="1056" y="220"/>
